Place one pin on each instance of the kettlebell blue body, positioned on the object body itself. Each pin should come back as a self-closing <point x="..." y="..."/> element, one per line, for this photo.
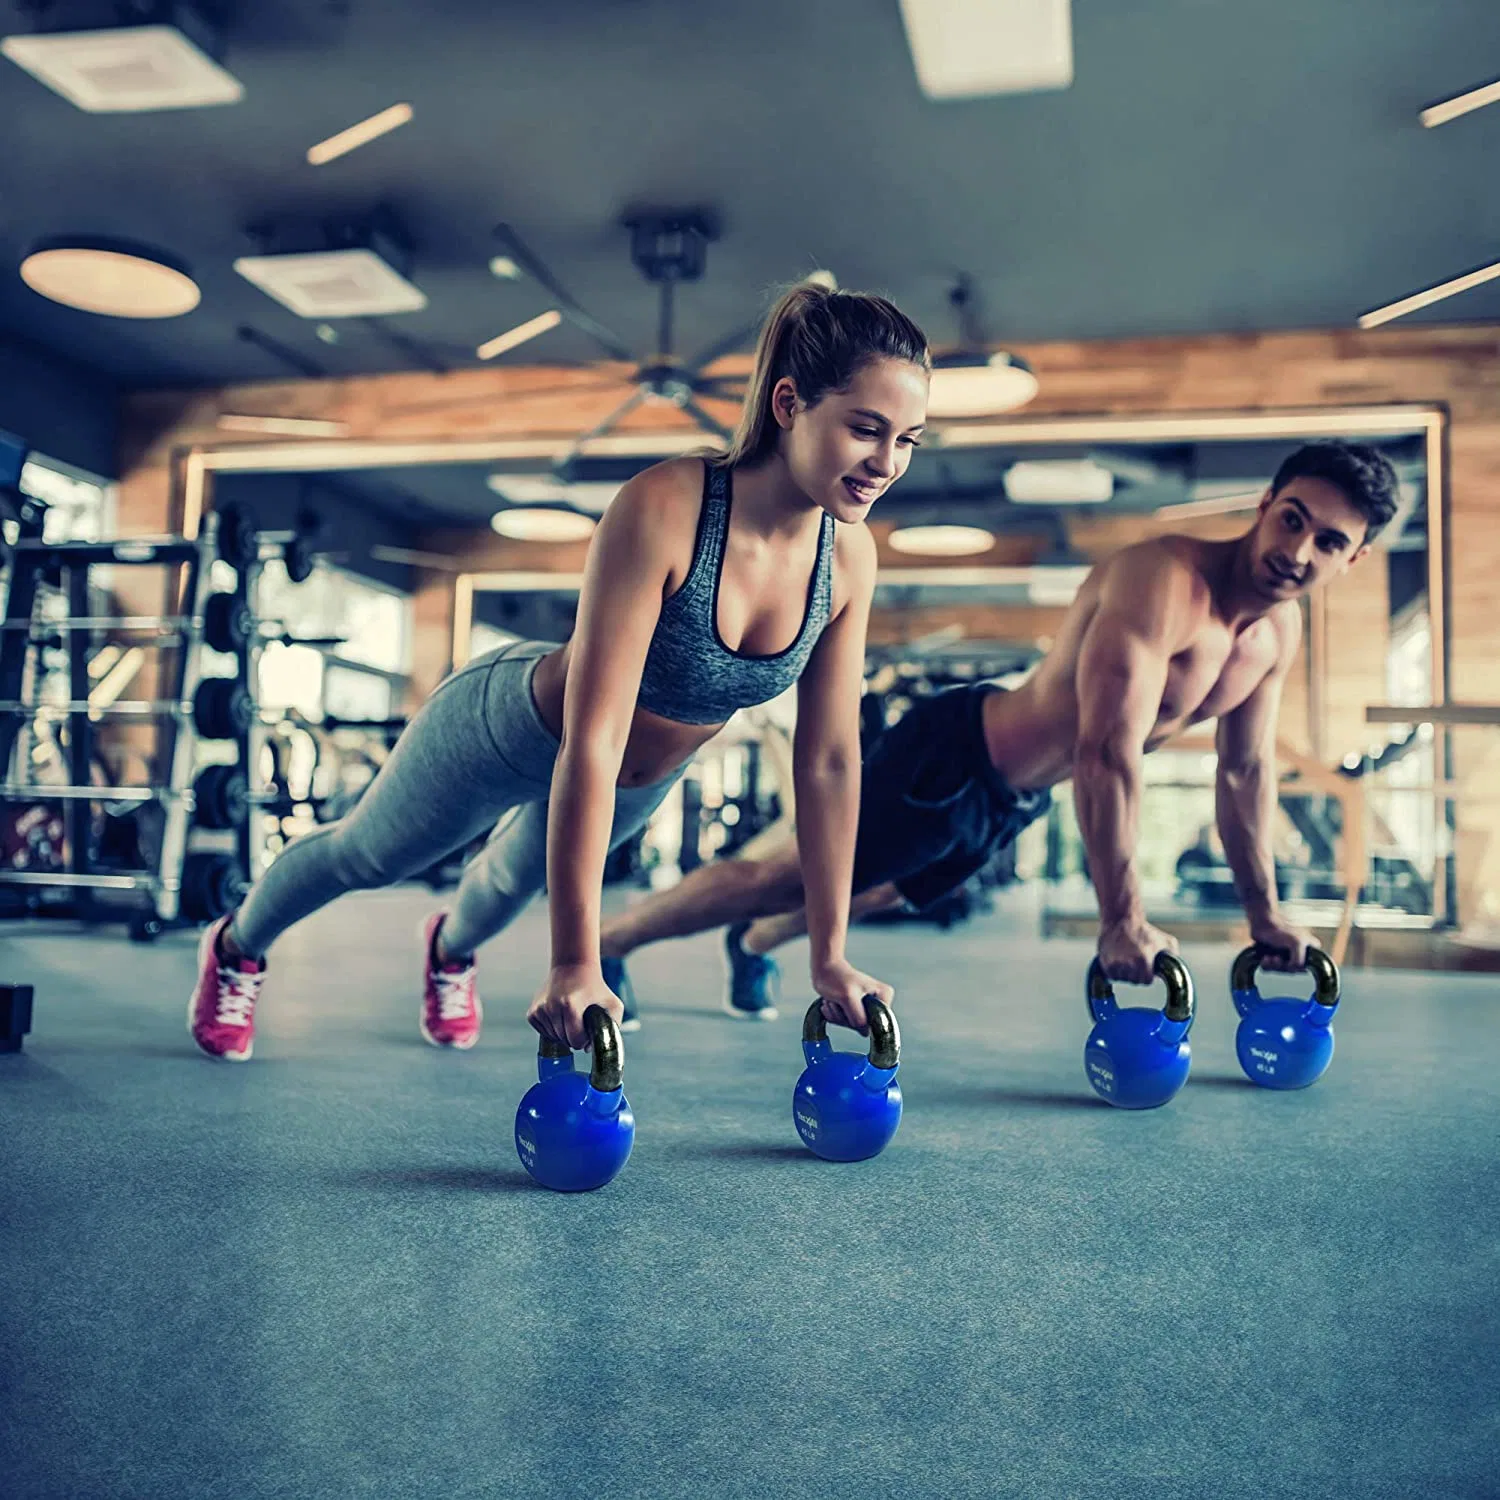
<point x="1136" y="1057"/>
<point x="847" y="1107"/>
<point x="1283" y="1042"/>
<point x="574" y="1130"/>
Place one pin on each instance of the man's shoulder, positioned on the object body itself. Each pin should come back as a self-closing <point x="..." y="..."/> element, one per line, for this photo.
<point x="1157" y="563"/>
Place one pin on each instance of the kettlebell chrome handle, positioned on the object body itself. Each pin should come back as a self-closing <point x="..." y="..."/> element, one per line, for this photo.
<point x="1181" y="998"/>
<point x="885" y="1035"/>
<point x="1324" y="971"/>
<point x="608" y="1070"/>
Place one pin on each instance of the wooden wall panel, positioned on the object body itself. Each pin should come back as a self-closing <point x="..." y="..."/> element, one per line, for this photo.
<point x="1358" y="614"/>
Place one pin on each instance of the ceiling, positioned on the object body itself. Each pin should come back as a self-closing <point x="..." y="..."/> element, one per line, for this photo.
<point x="1214" y="167"/>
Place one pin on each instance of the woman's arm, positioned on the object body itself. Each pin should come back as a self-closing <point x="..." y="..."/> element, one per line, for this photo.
<point x="826" y="775"/>
<point x="625" y="577"/>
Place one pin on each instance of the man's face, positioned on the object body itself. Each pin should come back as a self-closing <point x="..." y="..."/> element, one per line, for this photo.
<point x="1307" y="534"/>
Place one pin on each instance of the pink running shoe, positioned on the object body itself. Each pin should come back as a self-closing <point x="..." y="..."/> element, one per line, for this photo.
<point x="221" y="1012"/>
<point x="451" y="1012"/>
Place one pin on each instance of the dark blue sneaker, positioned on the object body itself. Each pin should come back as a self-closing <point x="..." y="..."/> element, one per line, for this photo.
<point x="619" y="981"/>
<point x="754" y="979"/>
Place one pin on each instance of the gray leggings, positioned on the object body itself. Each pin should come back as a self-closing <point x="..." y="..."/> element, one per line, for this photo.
<point x="477" y="749"/>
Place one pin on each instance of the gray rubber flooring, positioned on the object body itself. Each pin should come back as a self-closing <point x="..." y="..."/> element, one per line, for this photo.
<point x="325" y="1274"/>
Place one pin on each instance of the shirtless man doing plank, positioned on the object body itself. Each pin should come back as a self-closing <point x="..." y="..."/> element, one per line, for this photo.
<point x="1163" y="635"/>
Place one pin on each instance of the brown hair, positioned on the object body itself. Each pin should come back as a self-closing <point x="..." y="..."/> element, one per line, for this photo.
<point x="822" y="340"/>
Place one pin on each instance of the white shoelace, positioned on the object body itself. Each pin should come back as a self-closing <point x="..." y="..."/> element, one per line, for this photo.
<point x="454" y="1003"/>
<point x="237" y="994"/>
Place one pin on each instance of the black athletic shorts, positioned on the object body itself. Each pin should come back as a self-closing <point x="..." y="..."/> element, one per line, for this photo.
<point x="933" y="811"/>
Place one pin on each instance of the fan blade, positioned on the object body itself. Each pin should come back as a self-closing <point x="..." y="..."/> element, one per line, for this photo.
<point x="731" y="343"/>
<point x="582" y="388"/>
<point x="705" y="421"/>
<point x="623" y="410"/>
<point x="565" y="303"/>
<point x="424" y="355"/>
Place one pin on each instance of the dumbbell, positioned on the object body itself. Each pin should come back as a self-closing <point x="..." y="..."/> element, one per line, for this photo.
<point x="221" y="797"/>
<point x="239" y="540"/>
<point x="574" y="1132"/>
<point x="212" y="884"/>
<point x="847" y="1107"/>
<point x="1135" y="1057"/>
<point x="229" y="624"/>
<point x="1284" y="1043"/>
<point x="222" y="708"/>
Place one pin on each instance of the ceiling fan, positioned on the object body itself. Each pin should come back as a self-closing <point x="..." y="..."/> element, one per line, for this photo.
<point x="668" y="248"/>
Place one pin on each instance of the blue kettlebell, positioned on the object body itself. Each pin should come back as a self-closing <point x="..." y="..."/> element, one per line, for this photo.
<point x="1284" y="1043"/>
<point x="847" y="1107"/>
<point x="573" y="1132"/>
<point x="1137" y="1058"/>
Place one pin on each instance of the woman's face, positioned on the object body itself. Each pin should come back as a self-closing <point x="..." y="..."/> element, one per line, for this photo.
<point x="845" y="452"/>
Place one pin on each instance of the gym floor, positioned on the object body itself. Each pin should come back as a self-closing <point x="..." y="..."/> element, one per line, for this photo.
<point x="325" y="1273"/>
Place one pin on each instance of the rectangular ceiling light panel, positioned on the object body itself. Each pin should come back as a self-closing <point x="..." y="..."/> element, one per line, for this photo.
<point x="1045" y="481"/>
<point x="967" y="48"/>
<point x="332" y="284"/>
<point x="125" y="69"/>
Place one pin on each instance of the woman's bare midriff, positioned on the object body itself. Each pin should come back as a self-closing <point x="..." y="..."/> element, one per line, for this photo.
<point x="656" y="746"/>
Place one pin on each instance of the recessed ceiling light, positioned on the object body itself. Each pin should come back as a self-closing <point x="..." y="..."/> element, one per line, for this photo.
<point x="1055" y="583"/>
<point x="1427" y="298"/>
<point x="941" y="541"/>
<point x="111" y="277"/>
<point x="126" y="68"/>
<point x="1461" y="104"/>
<point x="529" y="489"/>
<point x="505" y="268"/>
<point x="970" y="385"/>
<point x="825" y="279"/>
<point x="964" y="48"/>
<point x="1035" y="481"/>
<point x="519" y="335"/>
<point x="359" y="135"/>
<point x="526" y="525"/>
<point x="545" y="489"/>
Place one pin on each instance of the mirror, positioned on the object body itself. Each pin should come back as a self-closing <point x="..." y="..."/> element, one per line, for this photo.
<point x="982" y="547"/>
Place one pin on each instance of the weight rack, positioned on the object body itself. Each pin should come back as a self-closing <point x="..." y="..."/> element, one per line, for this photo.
<point x="193" y="707"/>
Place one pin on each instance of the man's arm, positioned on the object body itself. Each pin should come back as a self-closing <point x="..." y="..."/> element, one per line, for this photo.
<point x="1142" y="619"/>
<point x="1245" y="802"/>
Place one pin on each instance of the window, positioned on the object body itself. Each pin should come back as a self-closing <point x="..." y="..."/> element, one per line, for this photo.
<point x="358" y="643"/>
<point x="80" y="508"/>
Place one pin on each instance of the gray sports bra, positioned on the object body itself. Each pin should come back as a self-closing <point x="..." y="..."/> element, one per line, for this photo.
<point x="690" y="675"/>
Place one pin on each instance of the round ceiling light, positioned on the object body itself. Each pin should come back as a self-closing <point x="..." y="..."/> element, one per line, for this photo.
<point x="110" y="277"/>
<point x="976" y="385"/>
<point x="538" y="525"/>
<point x="941" y="541"/>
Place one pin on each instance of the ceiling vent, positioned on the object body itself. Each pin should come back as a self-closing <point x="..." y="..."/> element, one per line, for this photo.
<point x="349" y="271"/>
<point x="129" y="69"/>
